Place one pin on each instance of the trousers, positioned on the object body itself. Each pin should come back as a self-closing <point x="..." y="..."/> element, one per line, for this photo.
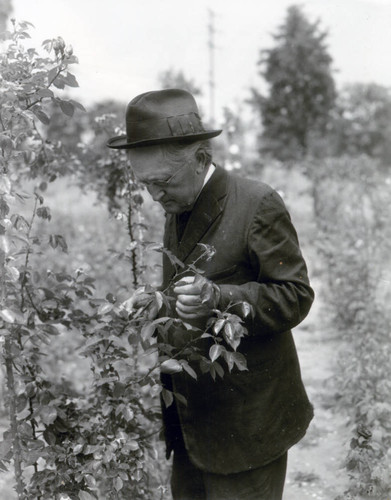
<point x="190" y="483"/>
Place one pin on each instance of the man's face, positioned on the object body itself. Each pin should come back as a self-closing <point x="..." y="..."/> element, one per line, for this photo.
<point x="175" y="186"/>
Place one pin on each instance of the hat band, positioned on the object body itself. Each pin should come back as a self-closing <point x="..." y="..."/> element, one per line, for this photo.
<point x="172" y="126"/>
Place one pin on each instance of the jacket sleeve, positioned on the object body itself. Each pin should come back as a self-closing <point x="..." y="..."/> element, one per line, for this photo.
<point x="280" y="293"/>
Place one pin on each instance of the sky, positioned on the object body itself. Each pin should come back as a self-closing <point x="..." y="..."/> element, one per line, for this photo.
<point x="123" y="45"/>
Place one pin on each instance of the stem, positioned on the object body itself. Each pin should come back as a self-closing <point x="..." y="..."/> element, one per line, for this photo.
<point x="24" y="281"/>
<point x="135" y="274"/>
<point x="2" y="123"/>
<point x="17" y="454"/>
<point x="34" y="428"/>
<point x="60" y="70"/>
<point x="133" y="251"/>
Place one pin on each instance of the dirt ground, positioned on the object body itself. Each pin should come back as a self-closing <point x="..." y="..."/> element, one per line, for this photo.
<point x="315" y="463"/>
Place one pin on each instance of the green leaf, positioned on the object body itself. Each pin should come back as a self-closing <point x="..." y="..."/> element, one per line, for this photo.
<point x="171" y="366"/>
<point x="52" y="74"/>
<point x="233" y="333"/>
<point x="78" y="449"/>
<point x="48" y="414"/>
<point x="5" y="448"/>
<point x="219" y="369"/>
<point x="19" y="222"/>
<point x="118" y="483"/>
<point x="67" y="108"/>
<point x="212" y="371"/>
<point x="58" y="240"/>
<point x="3" y="466"/>
<point x="13" y="273"/>
<point x="78" y="105"/>
<point x="239" y="360"/>
<point x="173" y="259"/>
<point x="228" y="333"/>
<point x="148" y="330"/>
<point x="45" y="93"/>
<point x="228" y="356"/>
<point x="218" y="325"/>
<point x="105" y="308"/>
<point x="84" y="495"/>
<point x="7" y="145"/>
<point x="132" y="445"/>
<point x="247" y="309"/>
<point x="180" y="398"/>
<point x="70" y="80"/>
<point x="128" y="414"/>
<point x="44" y="213"/>
<point x="188" y="369"/>
<point x="168" y="397"/>
<point x="8" y="315"/>
<point x="50" y="329"/>
<point x="106" y="380"/>
<point x="215" y="351"/>
<point x="43" y="117"/>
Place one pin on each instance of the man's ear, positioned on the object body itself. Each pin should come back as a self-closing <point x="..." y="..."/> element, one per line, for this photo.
<point x="201" y="159"/>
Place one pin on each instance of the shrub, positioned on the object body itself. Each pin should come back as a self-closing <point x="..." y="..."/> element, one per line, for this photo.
<point x="352" y="202"/>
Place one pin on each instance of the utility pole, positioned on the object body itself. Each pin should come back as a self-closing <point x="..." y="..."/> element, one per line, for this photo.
<point x="211" y="46"/>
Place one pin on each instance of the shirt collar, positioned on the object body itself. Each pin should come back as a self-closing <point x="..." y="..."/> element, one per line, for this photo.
<point x="209" y="173"/>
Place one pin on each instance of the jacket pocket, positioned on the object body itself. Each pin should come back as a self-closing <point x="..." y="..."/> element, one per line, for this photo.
<point x="222" y="274"/>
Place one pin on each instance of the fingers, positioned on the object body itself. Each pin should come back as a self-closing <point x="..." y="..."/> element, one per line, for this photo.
<point x="187" y="286"/>
<point x="190" y="303"/>
<point x="189" y="300"/>
<point x="189" y="313"/>
<point x="190" y="307"/>
<point x="186" y="290"/>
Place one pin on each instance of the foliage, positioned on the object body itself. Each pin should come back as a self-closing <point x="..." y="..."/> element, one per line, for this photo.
<point x="361" y="121"/>
<point x="5" y="11"/>
<point x="352" y="204"/>
<point x="64" y="443"/>
<point x="302" y="92"/>
<point x="177" y="79"/>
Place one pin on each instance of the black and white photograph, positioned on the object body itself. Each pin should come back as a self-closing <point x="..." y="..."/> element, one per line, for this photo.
<point x="195" y="242"/>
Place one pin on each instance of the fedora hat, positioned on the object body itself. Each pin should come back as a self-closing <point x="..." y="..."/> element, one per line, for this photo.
<point x="159" y="117"/>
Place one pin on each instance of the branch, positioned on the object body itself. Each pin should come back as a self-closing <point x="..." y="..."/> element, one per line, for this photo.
<point x="2" y="123"/>
<point x="24" y="281"/>
<point x="17" y="453"/>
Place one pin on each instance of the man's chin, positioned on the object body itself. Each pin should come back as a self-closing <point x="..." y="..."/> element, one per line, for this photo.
<point x="172" y="208"/>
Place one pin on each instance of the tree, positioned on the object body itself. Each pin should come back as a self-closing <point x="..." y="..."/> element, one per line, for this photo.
<point x="177" y="79"/>
<point x="5" y="11"/>
<point x="362" y="121"/>
<point x="302" y="90"/>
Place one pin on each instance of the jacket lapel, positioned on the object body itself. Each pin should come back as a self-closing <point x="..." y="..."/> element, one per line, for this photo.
<point x="206" y="210"/>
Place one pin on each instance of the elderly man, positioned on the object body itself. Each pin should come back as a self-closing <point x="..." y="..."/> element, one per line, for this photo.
<point x="230" y="441"/>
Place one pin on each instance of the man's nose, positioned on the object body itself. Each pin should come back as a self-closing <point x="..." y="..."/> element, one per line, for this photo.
<point x="156" y="192"/>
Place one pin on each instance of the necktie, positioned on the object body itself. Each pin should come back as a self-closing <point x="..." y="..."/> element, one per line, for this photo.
<point x="181" y="221"/>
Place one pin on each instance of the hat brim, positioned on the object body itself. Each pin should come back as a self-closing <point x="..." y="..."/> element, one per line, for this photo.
<point x="121" y="142"/>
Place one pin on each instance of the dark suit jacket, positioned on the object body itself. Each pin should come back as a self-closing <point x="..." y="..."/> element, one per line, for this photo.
<point x="248" y="418"/>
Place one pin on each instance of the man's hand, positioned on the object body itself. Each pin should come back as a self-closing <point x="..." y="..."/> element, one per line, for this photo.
<point x="196" y="297"/>
<point x="148" y="303"/>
